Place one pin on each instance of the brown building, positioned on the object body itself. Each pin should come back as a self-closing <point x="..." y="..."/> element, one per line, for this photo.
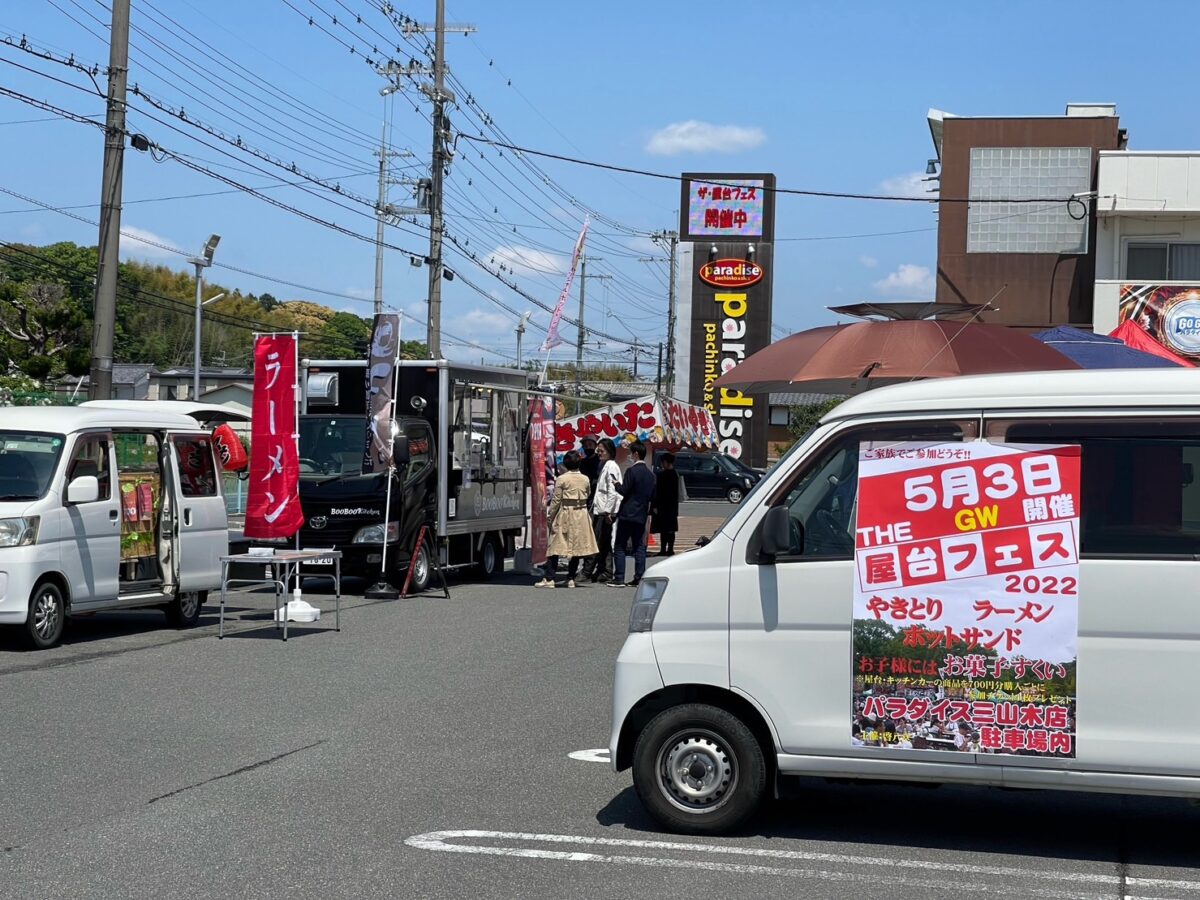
<point x="1037" y="259"/>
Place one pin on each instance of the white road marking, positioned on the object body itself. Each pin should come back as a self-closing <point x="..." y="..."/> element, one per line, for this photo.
<point x="600" y="756"/>
<point x="444" y="841"/>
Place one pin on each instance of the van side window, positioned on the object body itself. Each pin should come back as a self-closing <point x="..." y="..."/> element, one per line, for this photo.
<point x="822" y="499"/>
<point x="1139" y="489"/>
<point x="197" y="471"/>
<point x="420" y="450"/>
<point x="91" y="458"/>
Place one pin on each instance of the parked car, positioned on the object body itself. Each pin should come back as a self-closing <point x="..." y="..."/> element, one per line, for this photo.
<point x="711" y="475"/>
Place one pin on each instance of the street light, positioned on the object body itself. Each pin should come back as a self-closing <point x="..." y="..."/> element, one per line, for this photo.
<point x="520" y="329"/>
<point x="201" y="262"/>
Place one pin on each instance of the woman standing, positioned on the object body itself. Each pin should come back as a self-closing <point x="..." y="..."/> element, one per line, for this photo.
<point x="570" y="520"/>
<point x="605" y="504"/>
<point x="665" y="512"/>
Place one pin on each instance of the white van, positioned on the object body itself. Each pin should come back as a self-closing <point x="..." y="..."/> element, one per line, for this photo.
<point x="911" y="592"/>
<point x="106" y="508"/>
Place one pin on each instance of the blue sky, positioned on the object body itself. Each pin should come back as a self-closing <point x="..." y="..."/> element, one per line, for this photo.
<point x="826" y="96"/>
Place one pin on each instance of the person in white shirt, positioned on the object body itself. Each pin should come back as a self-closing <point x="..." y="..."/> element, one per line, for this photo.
<point x="605" y="504"/>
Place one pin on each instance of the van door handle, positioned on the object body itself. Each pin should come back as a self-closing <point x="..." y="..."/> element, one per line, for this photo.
<point x="112" y="515"/>
<point x="187" y="517"/>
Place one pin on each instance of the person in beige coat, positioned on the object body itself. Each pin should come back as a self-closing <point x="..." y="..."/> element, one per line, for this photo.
<point x="570" y="520"/>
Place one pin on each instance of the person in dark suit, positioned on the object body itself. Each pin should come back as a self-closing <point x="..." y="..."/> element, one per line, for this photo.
<point x="665" y="512"/>
<point x="637" y="494"/>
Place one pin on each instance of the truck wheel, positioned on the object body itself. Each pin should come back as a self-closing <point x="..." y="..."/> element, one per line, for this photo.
<point x="491" y="558"/>
<point x="184" y="610"/>
<point x="698" y="769"/>
<point x="735" y="495"/>
<point x="421" y="571"/>
<point x="47" y="616"/>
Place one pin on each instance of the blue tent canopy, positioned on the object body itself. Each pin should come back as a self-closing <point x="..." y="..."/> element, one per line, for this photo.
<point x="1097" y="351"/>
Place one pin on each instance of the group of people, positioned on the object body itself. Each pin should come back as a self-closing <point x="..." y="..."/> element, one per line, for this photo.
<point x="598" y="515"/>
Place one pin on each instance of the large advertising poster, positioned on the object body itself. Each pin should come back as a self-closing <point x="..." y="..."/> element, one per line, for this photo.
<point x="966" y="593"/>
<point x="1169" y="313"/>
<point x="730" y="221"/>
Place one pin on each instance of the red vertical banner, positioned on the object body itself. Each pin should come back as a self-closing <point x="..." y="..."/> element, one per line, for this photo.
<point x="541" y="473"/>
<point x="273" y="502"/>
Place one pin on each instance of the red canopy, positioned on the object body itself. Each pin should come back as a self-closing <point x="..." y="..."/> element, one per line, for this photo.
<point x="1135" y="336"/>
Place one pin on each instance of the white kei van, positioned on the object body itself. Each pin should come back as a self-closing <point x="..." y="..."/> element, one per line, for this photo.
<point x="835" y="626"/>
<point x="106" y="507"/>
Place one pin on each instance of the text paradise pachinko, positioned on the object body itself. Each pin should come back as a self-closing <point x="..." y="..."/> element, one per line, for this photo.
<point x="966" y="598"/>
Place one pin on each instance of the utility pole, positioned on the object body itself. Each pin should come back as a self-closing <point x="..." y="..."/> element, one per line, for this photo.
<point x="380" y="211"/>
<point x="635" y="359"/>
<point x="104" y="307"/>
<point x="658" y="376"/>
<point x="671" y="238"/>
<point x="583" y="277"/>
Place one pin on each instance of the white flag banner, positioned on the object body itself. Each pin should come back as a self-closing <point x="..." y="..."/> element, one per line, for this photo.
<point x="381" y="372"/>
<point x="552" y="338"/>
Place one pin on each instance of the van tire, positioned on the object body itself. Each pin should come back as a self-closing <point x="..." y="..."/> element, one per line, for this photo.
<point x="184" y="610"/>
<point x="491" y="558"/>
<point x="47" y="616"/>
<point x="726" y="774"/>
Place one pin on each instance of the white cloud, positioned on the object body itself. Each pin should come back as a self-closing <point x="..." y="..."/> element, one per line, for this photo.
<point x="869" y="262"/>
<point x="693" y="136"/>
<point x="527" y="261"/>
<point x="360" y="293"/>
<point x="910" y="185"/>
<point x="133" y="243"/>
<point x="916" y="282"/>
<point x="482" y="323"/>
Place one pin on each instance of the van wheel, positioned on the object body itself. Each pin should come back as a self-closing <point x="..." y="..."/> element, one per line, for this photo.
<point x="735" y="495"/>
<point x="698" y="769"/>
<point x="491" y="558"/>
<point x="47" y="616"/>
<point x="184" y="610"/>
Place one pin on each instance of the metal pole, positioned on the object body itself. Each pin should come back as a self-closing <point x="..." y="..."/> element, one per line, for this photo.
<point x="520" y="334"/>
<point x="658" y="376"/>
<point x="674" y="238"/>
<point x="196" y="336"/>
<point x="104" y="307"/>
<point x="434" y="339"/>
<point x="380" y="208"/>
<point x="635" y="359"/>
<point x="579" y="338"/>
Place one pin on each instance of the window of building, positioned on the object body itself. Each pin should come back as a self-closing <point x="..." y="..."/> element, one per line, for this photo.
<point x="1162" y="261"/>
<point x="779" y="415"/>
<point x="1139" y="490"/>
<point x="1002" y="177"/>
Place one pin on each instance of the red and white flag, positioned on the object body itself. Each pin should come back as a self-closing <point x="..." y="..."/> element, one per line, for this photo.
<point x="552" y="338"/>
<point x="273" y="502"/>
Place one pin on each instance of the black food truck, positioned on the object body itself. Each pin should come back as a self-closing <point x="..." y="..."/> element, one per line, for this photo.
<point x="459" y="467"/>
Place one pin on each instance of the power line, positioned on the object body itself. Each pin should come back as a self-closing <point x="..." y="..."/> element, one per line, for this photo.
<point x="837" y="195"/>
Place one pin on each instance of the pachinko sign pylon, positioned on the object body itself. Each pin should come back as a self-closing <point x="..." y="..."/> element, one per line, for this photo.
<point x="966" y="598"/>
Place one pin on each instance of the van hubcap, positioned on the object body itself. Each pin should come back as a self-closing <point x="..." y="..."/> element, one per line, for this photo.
<point x="188" y="604"/>
<point x="697" y="771"/>
<point x="45" y="615"/>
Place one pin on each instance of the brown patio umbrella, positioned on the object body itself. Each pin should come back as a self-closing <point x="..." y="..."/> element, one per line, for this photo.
<point x="846" y="359"/>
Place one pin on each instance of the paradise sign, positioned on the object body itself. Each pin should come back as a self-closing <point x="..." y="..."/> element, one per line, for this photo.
<point x="966" y="598"/>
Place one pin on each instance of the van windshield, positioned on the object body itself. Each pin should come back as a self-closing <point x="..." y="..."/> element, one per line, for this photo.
<point x="332" y="445"/>
<point x="27" y="463"/>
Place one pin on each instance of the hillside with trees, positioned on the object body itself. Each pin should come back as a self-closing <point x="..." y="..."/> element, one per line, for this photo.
<point x="46" y="296"/>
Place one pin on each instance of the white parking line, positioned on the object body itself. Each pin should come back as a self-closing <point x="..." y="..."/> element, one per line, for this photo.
<point x="448" y="842"/>
<point x="598" y="756"/>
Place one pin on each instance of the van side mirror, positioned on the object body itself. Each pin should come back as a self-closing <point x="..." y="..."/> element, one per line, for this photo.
<point x="84" y="489"/>
<point x="776" y="532"/>
<point x="400" y="449"/>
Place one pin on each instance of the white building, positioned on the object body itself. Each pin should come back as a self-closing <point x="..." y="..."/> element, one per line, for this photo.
<point x="1148" y="245"/>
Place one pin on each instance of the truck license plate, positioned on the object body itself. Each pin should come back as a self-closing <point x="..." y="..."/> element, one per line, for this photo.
<point x="319" y="561"/>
